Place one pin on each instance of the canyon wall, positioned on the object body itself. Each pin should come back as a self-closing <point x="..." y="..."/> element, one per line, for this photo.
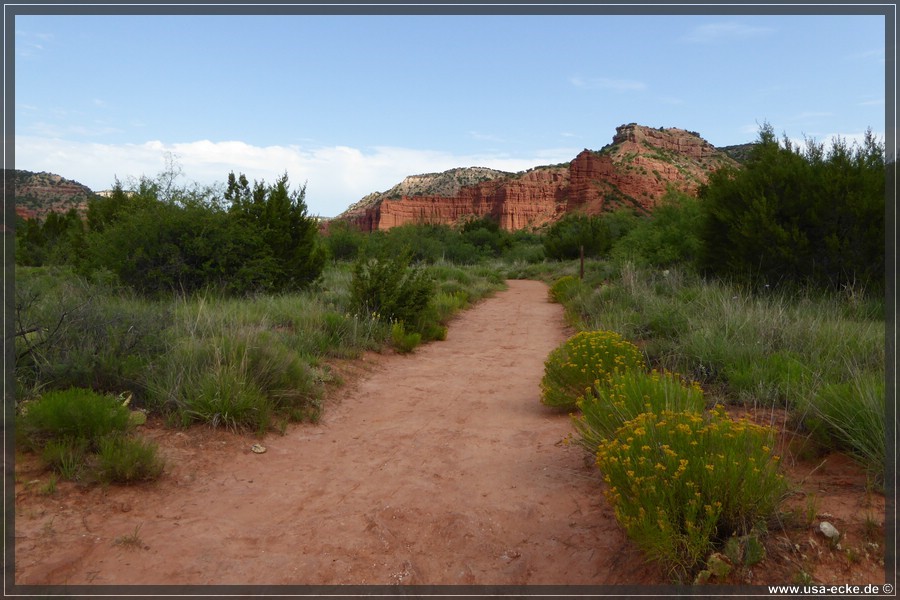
<point x="634" y="171"/>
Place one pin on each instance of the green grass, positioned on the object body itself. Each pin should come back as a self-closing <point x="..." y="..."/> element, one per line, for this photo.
<point x="820" y="355"/>
<point x="244" y="363"/>
<point x="622" y="396"/>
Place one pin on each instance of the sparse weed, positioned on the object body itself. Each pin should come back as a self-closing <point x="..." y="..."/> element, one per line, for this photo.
<point x="128" y="460"/>
<point x="131" y="540"/>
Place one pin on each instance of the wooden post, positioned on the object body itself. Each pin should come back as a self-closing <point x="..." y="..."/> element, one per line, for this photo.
<point x="581" y="254"/>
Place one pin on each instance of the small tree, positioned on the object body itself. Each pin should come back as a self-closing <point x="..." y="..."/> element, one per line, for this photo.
<point x="279" y="217"/>
<point x="566" y="237"/>
<point x="799" y="216"/>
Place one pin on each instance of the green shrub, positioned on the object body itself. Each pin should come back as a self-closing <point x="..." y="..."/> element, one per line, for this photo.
<point x="805" y="216"/>
<point x="564" y="288"/>
<point x="73" y="414"/>
<point x="573" y="367"/>
<point x="80" y="333"/>
<point x="624" y="395"/>
<point x="128" y="460"/>
<point x="682" y="483"/>
<point x="66" y="456"/>
<point x="390" y="289"/>
<point x="404" y="342"/>
<point x="670" y="236"/>
<point x="567" y="237"/>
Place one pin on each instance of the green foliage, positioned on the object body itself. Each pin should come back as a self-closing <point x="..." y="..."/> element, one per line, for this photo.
<point x="75" y="332"/>
<point x="789" y="216"/>
<point x="235" y="376"/>
<point x="622" y="396"/>
<point x="128" y="460"/>
<point x="390" y="288"/>
<point x="668" y="237"/>
<point x="59" y="240"/>
<point x="278" y="217"/>
<point x="404" y="342"/>
<point x="81" y="434"/>
<point x="564" y="288"/>
<point x="852" y="414"/>
<point x="343" y="240"/>
<point x="681" y="483"/>
<point x="565" y="238"/>
<point x="161" y="238"/>
<point x="573" y="367"/>
<point x="66" y="456"/>
<point x="73" y="414"/>
<point x="754" y="348"/>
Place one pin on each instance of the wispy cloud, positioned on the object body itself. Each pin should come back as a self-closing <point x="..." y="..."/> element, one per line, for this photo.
<point x="606" y="83"/>
<point x="485" y="137"/>
<point x="49" y="130"/>
<point x="876" y="54"/>
<point x="729" y="30"/>
<point x="336" y="176"/>
<point x="30" y="44"/>
<point x="807" y="115"/>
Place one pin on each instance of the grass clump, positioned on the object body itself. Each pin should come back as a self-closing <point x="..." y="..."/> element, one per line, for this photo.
<point x="70" y="417"/>
<point x="564" y="288"/>
<point x="239" y="377"/>
<point x="851" y="414"/>
<point x="572" y="368"/>
<point x="404" y="342"/>
<point x="82" y="435"/>
<point x="683" y="483"/>
<point x="624" y="395"/>
<point x="128" y="460"/>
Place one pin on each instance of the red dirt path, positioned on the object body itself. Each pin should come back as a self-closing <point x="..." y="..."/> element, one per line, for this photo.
<point x="439" y="467"/>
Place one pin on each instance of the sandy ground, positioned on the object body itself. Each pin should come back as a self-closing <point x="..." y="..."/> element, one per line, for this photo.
<point x="439" y="467"/>
<point x="435" y="468"/>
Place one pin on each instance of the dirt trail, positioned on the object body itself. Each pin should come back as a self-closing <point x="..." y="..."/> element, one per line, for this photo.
<point x="439" y="467"/>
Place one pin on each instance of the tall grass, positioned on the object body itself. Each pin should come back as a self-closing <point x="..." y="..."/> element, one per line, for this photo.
<point x="820" y="355"/>
<point x="242" y="363"/>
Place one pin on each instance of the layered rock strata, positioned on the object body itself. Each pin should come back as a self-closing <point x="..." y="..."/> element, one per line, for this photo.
<point x="634" y="171"/>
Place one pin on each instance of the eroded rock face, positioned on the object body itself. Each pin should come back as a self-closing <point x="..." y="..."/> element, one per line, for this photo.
<point x="634" y="171"/>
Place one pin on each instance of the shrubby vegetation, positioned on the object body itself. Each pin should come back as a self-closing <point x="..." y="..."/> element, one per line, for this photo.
<point x="225" y="307"/>
<point x="806" y="216"/>
<point x="157" y="238"/>
<point x="85" y="436"/>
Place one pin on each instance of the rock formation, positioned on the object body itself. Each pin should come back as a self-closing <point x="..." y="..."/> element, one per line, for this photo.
<point x="634" y="171"/>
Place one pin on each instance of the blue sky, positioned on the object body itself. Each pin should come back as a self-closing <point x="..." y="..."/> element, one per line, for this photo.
<point x="352" y="104"/>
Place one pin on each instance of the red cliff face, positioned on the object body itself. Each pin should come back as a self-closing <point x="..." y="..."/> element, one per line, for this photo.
<point x="634" y="171"/>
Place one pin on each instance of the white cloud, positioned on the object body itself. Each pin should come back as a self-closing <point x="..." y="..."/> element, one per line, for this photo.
<point x="605" y="83"/>
<point x="714" y="32"/>
<point x="485" y="137"/>
<point x="336" y="176"/>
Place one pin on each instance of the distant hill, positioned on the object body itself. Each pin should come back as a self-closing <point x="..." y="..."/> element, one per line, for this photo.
<point x="739" y="152"/>
<point x="38" y="194"/>
<point x="634" y="171"/>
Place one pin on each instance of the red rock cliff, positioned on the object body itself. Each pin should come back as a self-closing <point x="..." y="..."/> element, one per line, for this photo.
<point x="634" y="171"/>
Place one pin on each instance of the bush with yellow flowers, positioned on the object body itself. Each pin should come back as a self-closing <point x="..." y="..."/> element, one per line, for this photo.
<point x="623" y="395"/>
<point x="572" y="368"/>
<point x="682" y="482"/>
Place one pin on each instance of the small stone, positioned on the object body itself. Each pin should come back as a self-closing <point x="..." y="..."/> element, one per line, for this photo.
<point x="829" y="531"/>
